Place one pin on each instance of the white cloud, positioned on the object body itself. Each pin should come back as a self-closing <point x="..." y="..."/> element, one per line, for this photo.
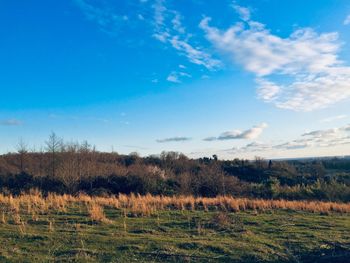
<point x="263" y="53"/>
<point x="250" y="134"/>
<point x="314" y="77"/>
<point x="194" y="54"/>
<point x="184" y="74"/>
<point x="243" y="12"/>
<point x="159" y="10"/>
<point x="173" y="77"/>
<point x="347" y="20"/>
<point x="267" y="90"/>
<point x="177" y="25"/>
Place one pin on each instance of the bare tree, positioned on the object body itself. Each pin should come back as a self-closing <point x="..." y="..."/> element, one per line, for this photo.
<point x="41" y="157"/>
<point x="53" y="146"/>
<point x="85" y="160"/>
<point x="22" y="150"/>
<point x="68" y="169"/>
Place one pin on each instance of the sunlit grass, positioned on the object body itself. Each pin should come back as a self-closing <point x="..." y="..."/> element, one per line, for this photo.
<point x="134" y="228"/>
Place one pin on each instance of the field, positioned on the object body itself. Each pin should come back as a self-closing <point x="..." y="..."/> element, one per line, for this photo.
<point x="171" y="229"/>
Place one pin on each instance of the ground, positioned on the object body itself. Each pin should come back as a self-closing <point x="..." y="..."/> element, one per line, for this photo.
<point x="177" y="236"/>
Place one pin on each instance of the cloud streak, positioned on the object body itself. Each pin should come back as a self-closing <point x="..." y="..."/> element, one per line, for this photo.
<point x="174" y="139"/>
<point x="11" y="122"/>
<point x="334" y="118"/>
<point x="250" y="134"/>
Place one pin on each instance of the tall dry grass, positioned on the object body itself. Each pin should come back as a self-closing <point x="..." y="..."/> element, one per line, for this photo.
<point x="35" y="204"/>
<point x="96" y="213"/>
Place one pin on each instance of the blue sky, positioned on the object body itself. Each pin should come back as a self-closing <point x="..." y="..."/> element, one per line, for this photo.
<point x="234" y="78"/>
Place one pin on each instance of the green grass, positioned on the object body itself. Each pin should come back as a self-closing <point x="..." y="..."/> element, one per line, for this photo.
<point x="178" y="236"/>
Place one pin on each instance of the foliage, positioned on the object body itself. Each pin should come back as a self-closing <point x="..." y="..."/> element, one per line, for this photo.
<point x="74" y="167"/>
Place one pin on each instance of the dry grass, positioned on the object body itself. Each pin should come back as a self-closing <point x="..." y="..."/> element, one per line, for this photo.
<point x="96" y="213"/>
<point x="35" y="204"/>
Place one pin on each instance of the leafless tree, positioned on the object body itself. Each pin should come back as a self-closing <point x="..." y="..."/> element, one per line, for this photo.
<point x="54" y="146"/>
<point x="22" y="150"/>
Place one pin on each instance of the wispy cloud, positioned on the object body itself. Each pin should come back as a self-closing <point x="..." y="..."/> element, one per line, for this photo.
<point x="313" y="139"/>
<point x="111" y="18"/>
<point x="135" y="147"/>
<point x="347" y="20"/>
<point x="100" y="120"/>
<point x="174" y="139"/>
<point x="11" y="122"/>
<point x="196" y="55"/>
<point x="328" y="137"/>
<point x="175" y="76"/>
<point x="124" y="122"/>
<point x="167" y="25"/>
<point x="169" y="29"/>
<point x="60" y="117"/>
<point x="310" y="60"/>
<point x="323" y="134"/>
<point x="334" y="118"/>
<point x="293" y="145"/>
<point x="107" y="19"/>
<point x="244" y="12"/>
<point x="250" y="134"/>
<point x="253" y="147"/>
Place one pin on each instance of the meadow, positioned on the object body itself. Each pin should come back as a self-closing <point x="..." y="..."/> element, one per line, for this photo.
<point x="147" y="228"/>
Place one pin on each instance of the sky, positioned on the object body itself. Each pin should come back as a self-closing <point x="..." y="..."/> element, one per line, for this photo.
<point x="237" y="79"/>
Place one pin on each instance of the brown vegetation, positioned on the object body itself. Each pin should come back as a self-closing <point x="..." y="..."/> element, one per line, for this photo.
<point x="72" y="168"/>
<point x="35" y="204"/>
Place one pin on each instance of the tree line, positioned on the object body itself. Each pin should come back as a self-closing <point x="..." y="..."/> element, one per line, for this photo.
<point x="72" y="167"/>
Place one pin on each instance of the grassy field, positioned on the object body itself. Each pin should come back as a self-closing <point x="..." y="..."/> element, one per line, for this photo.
<point x="64" y="229"/>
